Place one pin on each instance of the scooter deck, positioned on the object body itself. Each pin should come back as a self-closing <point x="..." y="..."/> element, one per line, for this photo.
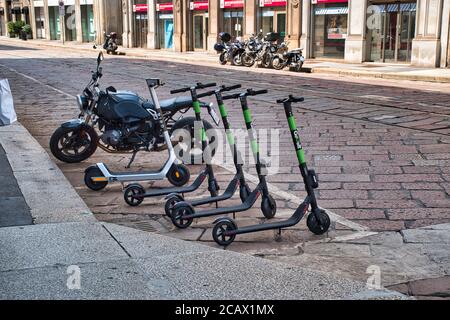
<point x="293" y="220"/>
<point x="165" y="191"/>
<point x="247" y="204"/>
<point x="227" y="194"/>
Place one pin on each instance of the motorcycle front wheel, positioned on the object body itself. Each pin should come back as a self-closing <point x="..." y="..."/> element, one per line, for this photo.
<point x="237" y="60"/>
<point x="277" y="63"/>
<point x="73" y="145"/>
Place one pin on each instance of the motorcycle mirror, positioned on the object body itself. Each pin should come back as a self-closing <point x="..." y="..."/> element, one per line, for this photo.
<point x="94" y="46"/>
<point x="100" y="58"/>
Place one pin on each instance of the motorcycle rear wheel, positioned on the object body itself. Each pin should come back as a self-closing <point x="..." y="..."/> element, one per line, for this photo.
<point x="222" y="59"/>
<point x="247" y="60"/>
<point x="65" y="143"/>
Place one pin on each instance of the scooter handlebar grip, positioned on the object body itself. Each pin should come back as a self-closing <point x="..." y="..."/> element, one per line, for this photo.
<point x="254" y="93"/>
<point x="231" y="96"/>
<point x="206" y="94"/>
<point x="230" y="88"/>
<point x="205" y="85"/>
<point x="178" y="90"/>
<point x="291" y="99"/>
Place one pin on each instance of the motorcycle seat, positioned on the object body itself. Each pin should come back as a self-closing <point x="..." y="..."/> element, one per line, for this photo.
<point x="172" y="104"/>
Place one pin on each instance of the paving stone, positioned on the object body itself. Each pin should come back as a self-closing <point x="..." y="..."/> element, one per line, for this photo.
<point x="426" y="236"/>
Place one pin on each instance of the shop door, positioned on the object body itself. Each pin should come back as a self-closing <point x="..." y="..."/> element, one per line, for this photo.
<point x="140" y="30"/>
<point x="281" y="23"/>
<point x="233" y="23"/>
<point x="391" y="39"/>
<point x="200" y="25"/>
<point x="40" y="20"/>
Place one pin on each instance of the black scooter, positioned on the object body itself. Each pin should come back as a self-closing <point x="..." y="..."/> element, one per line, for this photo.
<point x="238" y="180"/>
<point x="183" y="213"/>
<point x="318" y="221"/>
<point x="135" y="193"/>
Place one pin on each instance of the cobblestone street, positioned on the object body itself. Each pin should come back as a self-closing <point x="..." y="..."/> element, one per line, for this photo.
<point x="381" y="149"/>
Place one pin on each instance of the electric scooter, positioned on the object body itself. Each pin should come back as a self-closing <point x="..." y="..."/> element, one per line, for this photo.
<point x="238" y="180"/>
<point x="183" y="213"/>
<point x="174" y="171"/>
<point x="318" y="221"/>
<point x="135" y="193"/>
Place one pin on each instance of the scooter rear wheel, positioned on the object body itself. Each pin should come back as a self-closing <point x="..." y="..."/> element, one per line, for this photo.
<point x="269" y="207"/>
<point x="133" y="195"/>
<point x="170" y="203"/>
<point x="319" y="222"/>
<point x="178" y="217"/>
<point x="94" y="179"/>
<point x="219" y="230"/>
<point x="178" y="175"/>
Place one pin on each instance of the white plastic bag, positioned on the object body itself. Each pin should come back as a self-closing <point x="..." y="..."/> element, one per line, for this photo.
<point x="7" y="113"/>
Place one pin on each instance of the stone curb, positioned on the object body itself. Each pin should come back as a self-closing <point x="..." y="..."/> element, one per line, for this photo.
<point x="48" y="193"/>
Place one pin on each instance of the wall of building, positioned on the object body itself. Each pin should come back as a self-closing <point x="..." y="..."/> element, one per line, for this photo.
<point x="429" y="47"/>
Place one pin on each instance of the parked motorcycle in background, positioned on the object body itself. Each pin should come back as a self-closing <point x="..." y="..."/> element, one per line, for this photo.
<point x="229" y="51"/>
<point x="110" y="44"/>
<point x="288" y="58"/>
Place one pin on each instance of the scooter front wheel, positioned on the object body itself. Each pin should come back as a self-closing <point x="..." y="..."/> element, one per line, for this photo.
<point x="178" y="217"/>
<point x="318" y="222"/>
<point x="94" y="178"/>
<point x="170" y="203"/>
<point x="178" y="175"/>
<point x="219" y="232"/>
<point x="269" y="207"/>
<point x="133" y="195"/>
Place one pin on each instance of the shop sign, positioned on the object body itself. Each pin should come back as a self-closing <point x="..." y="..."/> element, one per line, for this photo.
<point x="164" y="6"/>
<point x="198" y="5"/>
<point x="140" y="8"/>
<point x="272" y="3"/>
<point x="231" y="4"/>
<point x="328" y="1"/>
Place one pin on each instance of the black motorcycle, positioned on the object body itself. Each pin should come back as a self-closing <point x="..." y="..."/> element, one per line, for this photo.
<point x="229" y="51"/>
<point x="126" y="122"/>
<point x="110" y="44"/>
<point x="285" y="58"/>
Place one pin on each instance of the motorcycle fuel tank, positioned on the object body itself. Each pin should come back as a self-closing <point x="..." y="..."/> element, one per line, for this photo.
<point x="125" y="106"/>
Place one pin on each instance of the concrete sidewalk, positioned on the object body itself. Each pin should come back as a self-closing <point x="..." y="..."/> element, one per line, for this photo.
<point x="114" y="262"/>
<point x="371" y="70"/>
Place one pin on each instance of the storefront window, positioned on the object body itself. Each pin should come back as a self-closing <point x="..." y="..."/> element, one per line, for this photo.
<point x="390" y="31"/>
<point x="40" y="22"/>
<point x="233" y="17"/>
<point x="199" y="10"/>
<point x="330" y="29"/>
<point x="54" y="23"/>
<point x="165" y="24"/>
<point x="140" y="23"/>
<point x="272" y="16"/>
<point x="87" y="23"/>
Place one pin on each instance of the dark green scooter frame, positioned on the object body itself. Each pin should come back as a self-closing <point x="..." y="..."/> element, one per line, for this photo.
<point x="183" y="213"/>
<point x="318" y="221"/>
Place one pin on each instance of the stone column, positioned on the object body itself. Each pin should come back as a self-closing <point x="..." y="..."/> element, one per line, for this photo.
<point x="46" y="21"/>
<point x="151" y="31"/>
<point x="126" y="17"/>
<point x="426" y="46"/>
<point x="78" y="23"/>
<point x="445" y="35"/>
<point x="355" y="44"/>
<point x="294" y="23"/>
<point x="178" y="21"/>
<point x="32" y="18"/>
<point x="185" y="26"/>
<point x="214" y="23"/>
<point x="250" y="14"/>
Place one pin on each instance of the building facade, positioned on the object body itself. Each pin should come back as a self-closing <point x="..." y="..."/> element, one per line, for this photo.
<point x="388" y="31"/>
<point x="81" y="20"/>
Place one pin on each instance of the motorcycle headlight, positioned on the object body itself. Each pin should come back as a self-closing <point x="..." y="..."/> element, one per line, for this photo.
<point x="82" y="102"/>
